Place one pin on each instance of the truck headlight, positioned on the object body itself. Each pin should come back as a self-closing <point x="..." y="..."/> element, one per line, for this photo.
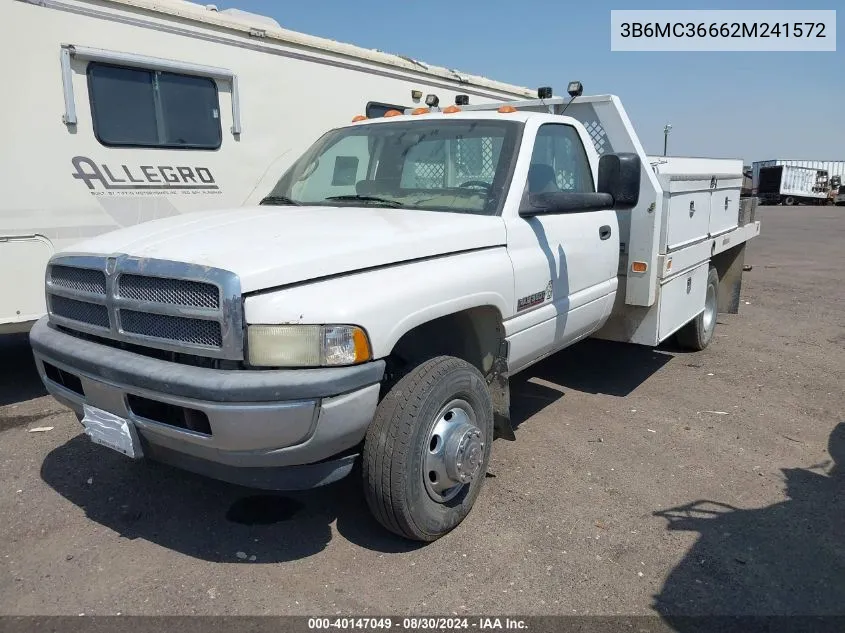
<point x="307" y="345"/>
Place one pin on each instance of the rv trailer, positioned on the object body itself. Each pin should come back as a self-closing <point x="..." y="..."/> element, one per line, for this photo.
<point x="132" y="110"/>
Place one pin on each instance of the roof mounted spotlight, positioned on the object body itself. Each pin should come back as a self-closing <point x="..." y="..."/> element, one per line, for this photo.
<point x="416" y="95"/>
<point x="432" y="101"/>
<point x="545" y="92"/>
<point x="461" y="100"/>
<point x="574" y="89"/>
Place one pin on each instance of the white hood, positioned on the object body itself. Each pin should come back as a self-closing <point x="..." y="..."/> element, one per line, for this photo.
<point x="275" y="246"/>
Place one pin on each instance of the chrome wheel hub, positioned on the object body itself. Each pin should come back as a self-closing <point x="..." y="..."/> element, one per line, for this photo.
<point x="709" y="318"/>
<point x="454" y="452"/>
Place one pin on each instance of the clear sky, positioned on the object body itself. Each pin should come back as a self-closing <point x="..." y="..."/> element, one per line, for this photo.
<point x="752" y="105"/>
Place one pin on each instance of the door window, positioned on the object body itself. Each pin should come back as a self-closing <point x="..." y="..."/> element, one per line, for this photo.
<point x="559" y="162"/>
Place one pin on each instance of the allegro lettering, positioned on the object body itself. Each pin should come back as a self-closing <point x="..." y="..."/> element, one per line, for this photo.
<point x="142" y="177"/>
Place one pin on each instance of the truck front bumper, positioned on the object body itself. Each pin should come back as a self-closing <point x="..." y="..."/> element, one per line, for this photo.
<point x="273" y="429"/>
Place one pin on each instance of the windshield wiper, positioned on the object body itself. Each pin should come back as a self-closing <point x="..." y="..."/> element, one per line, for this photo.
<point x="360" y="198"/>
<point x="280" y="200"/>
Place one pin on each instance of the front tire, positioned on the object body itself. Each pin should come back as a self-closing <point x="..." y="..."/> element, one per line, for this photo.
<point x="427" y="449"/>
<point x="789" y="201"/>
<point x="697" y="334"/>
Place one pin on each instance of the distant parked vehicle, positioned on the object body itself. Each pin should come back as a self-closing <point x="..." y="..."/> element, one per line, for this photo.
<point x="789" y="185"/>
<point x="840" y="197"/>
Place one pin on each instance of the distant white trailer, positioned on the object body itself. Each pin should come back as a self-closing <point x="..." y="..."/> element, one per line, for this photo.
<point x="124" y="111"/>
<point x="832" y="167"/>
<point x="789" y="185"/>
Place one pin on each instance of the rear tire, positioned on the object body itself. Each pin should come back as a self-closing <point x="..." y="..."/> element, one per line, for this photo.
<point x="789" y="201"/>
<point x="427" y="449"/>
<point x="697" y="334"/>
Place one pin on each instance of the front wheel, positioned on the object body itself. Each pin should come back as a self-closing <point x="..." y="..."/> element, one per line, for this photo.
<point x="789" y="201"/>
<point x="427" y="449"/>
<point x="697" y="334"/>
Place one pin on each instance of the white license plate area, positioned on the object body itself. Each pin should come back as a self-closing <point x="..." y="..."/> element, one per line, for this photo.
<point x="112" y="431"/>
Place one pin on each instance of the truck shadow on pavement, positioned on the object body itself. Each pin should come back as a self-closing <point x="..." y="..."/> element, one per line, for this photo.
<point x="591" y="366"/>
<point x="19" y="379"/>
<point x="208" y="519"/>
<point x="784" y="559"/>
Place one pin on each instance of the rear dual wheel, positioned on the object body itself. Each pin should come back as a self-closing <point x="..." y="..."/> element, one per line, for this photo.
<point x="697" y="334"/>
<point x="427" y="449"/>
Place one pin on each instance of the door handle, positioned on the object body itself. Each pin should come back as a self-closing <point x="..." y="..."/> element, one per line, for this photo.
<point x="604" y="232"/>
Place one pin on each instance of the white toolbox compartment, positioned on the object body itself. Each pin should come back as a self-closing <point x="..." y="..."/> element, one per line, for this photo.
<point x="724" y="205"/>
<point x="681" y="299"/>
<point x="688" y="216"/>
<point x="700" y="198"/>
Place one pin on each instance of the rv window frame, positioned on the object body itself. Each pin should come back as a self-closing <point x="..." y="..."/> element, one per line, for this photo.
<point x="160" y="145"/>
<point x="131" y="60"/>
<point x="382" y="104"/>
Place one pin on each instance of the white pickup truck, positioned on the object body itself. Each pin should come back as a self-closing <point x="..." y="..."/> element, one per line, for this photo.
<point x="375" y="304"/>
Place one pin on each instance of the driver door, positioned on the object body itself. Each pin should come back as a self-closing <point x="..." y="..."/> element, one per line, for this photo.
<point x="565" y="265"/>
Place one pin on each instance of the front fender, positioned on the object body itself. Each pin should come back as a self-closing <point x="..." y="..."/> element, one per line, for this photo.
<point x="390" y="301"/>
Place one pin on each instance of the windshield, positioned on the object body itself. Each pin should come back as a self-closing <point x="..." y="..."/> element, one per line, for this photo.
<point x="461" y="166"/>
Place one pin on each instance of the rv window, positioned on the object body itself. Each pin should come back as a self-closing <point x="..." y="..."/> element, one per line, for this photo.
<point x="146" y="108"/>
<point x="376" y="110"/>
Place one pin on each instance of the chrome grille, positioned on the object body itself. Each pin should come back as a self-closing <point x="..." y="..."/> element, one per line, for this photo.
<point x="79" y="279"/>
<point x="171" y="291"/>
<point x="167" y="305"/>
<point x="172" y="328"/>
<point x="90" y="313"/>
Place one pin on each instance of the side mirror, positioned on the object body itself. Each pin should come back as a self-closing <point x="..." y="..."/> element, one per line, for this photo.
<point x="619" y="176"/>
<point x="558" y="202"/>
<point x="618" y="187"/>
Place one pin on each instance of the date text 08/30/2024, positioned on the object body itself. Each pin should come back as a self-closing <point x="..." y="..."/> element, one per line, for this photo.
<point x="417" y="623"/>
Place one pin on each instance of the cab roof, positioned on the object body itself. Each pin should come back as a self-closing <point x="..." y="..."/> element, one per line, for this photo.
<point x="490" y="115"/>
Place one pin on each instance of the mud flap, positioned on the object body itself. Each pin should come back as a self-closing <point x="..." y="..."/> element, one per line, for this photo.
<point x="500" y="393"/>
<point x="729" y="266"/>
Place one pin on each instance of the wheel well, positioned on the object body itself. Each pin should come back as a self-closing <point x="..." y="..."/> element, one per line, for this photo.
<point x="475" y="335"/>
